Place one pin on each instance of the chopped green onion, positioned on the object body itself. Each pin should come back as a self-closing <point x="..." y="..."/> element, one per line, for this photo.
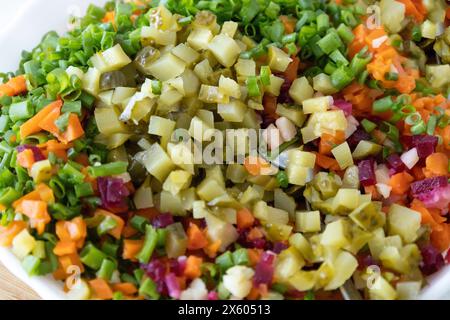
<point x="291" y="48"/>
<point x="21" y="111"/>
<point x="63" y="122"/>
<point x="83" y="190"/>
<point x="106" y="270"/>
<point x="383" y="105"/>
<point x="289" y="38"/>
<point x="341" y="77"/>
<point x="118" y="296"/>
<point x="264" y="75"/>
<point x="107" y="224"/>
<point x="339" y="58"/>
<point x="345" y="33"/>
<point x="151" y="238"/>
<point x="416" y="34"/>
<point x="253" y="87"/>
<point x="149" y="289"/>
<point x="110" y="169"/>
<point x="4" y="123"/>
<point x="8" y="196"/>
<point x="391" y="76"/>
<point x="329" y="43"/>
<point x="431" y="125"/>
<point x="418" y="128"/>
<point x="413" y="119"/>
<point x="225" y="261"/>
<point x="368" y="125"/>
<point x="323" y="22"/>
<point x="110" y="248"/>
<point x="156" y="87"/>
<point x="282" y="179"/>
<point x="31" y="264"/>
<point x="72" y="107"/>
<point x="240" y="257"/>
<point x="92" y="257"/>
<point x="139" y="223"/>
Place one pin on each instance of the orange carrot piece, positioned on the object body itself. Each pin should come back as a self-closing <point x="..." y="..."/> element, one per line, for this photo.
<point x="256" y="166"/>
<point x="109" y="17"/>
<point x="45" y="193"/>
<point x="126" y="288"/>
<point x="192" y="269"/>
<point x="400" y="183"/>
<point x="254" y="255"/>
<point x="288" y="23"/>
<point x="245" y="219"/>
<point x="291" y="72"/>
<point x="48" y="123"/>
<point x="14" y="86"/>
<point x="131" y="248"/>
<point x="117" y="231"/>
<point x="196" y="238"/>
<point x="101" y="289"/>
<point x="327" y="162"/>
<point x="436" y="165"/>
<point x="25" y="158"/>
<point x="32" y="125"/>
<point x="8" y="233"/>
<point x="74" y="129"/>
<point x="212" y="249"/>
<point x="441" y="239"/>
<point x="329" y="141"/>
<point x="412" y="10"/>
<point x="64" y="248"/>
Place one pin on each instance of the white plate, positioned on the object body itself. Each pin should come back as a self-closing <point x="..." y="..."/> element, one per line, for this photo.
<point x="31" y="19"/>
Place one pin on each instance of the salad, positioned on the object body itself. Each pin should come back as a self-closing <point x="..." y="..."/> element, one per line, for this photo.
<point x="119" y="178"/>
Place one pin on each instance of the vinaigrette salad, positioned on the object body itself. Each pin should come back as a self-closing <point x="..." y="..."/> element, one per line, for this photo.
<point x="249" y="149"/>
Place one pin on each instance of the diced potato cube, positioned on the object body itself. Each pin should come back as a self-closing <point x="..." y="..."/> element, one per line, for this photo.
<point x="336" y="234"/>
<point x="365" y="149"/>
<point x="157" y="162"/>
<point x="345" y="201"/>
<point x="22" y="244"/>
<point x="299" y="175"/>
<point x="171" y="203"/>
<point x="203" y="70"/>
<point x="191" y="83"/>
<point x="160" y="37"/>
<point x="382" y="290"/>
<point x="408" y="290"/>
<point x="225" y="49"/>
<point x="199" y="210"/>
<point x="210" y="189"/>
<point x="229" y="87"/>
<point x="221" y="230"/>
<point x="288" y="262"/>
<point x="285" y="202"/>
<point x="307" y="221"/>
<point x="91" y="81"/>
<point x="107" y="120"/>
<point x="287" y="129"/>
<point x="301" y="158"/>
<point x="143" y="197"/>
<point x="319" y="104"/>
<point x="186" y="53"/>
<point x="199" y="130"/>
<point x="252" y="194"/>
<point x="212" y="94"/>
<point x="274" y="87"/>
<point x="404" y="222"/>
<point x="343" y="155"/>
<point x="301" y="243"/>
<point x="368" y="217"/>
<point x="121" y="94"/>
<point x="177" y="181"/>
<point x="199" y="38"/>
<point x="278" y="59"/>
<point x="41" y="171"/>
<point x="391" y="259"/>
<point x="245" y="68"/>
<point x="328" y="122"/>
<point x="182" y="156"/>
<point x="234" y="111"/>
<point x="229" y="28"/>
<point x="303" y="280"/>
<point x="161" y="127"/>
<point x="297" y="116"/>
<point x="112" y="59"/>
<point x="167" y="67"/>
<point x="344" y="265"/>
<point x="309" y="134"/>
<point x="301" y="90"/>
<point x="322" y="83"/>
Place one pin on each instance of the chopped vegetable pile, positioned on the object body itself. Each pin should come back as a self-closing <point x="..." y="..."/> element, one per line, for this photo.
<point x="95" y="180"/>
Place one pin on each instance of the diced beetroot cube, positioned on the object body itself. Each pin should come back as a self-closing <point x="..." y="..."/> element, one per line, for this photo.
<point x="367" y="172"/>
<point x="395" y="163"/>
